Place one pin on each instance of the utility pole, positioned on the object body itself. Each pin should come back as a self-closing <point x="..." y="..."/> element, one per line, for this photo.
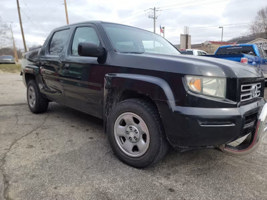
<point x="66" y="11"/>
<point x="222" y="32"/>
<point x="21" y="27"/>
<point x="185" y="39"/>
<point x="154" y="17"/>
<point x="14" y="46"/>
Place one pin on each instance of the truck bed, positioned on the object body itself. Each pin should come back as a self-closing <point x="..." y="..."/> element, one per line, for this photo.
<point x="234" y="57"/>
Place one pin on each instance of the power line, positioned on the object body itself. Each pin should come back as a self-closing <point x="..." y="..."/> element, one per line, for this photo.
<point x="25" y="13"/>
<point x="216" y="26"/>
<point x="170" y="7"/>
<point x="137" y="13"/>
<point x="173" y="6"/>
<point x="28" y="18"/>
<point x="192" y="3"/>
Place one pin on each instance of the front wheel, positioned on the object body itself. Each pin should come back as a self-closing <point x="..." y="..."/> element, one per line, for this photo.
<point x="136" y="134"/>
<point x="36" y="101"/>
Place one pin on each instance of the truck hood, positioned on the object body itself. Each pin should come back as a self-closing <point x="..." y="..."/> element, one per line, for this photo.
<point x="185" y="64"/>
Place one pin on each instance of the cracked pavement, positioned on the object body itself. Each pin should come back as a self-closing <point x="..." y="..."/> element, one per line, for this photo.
<point x="64" y="154"/>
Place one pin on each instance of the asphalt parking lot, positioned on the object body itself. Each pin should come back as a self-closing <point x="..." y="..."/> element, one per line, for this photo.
<point x="64" y="154"/>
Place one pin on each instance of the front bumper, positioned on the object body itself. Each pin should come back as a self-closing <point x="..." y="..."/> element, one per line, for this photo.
<point x="252" y="141"/>
<point x="193" y="127"/>
<point x="265" y="76"/>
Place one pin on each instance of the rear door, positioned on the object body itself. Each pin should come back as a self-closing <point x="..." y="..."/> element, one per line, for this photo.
<point x="82" y="85"/>
<point x="51" y="65"/>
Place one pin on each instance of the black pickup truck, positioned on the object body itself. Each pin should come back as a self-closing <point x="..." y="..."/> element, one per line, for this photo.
<point x="149" y="96"/>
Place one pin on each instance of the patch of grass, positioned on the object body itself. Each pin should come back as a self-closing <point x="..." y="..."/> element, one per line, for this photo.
<point x="11" y="68"/>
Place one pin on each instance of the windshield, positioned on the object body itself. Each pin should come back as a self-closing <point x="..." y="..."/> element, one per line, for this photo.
<point x="236" y="50"/>
<point x="127" y="39"/>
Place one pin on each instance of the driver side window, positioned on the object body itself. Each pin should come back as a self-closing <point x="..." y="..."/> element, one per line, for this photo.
<point x="83" y="34"/>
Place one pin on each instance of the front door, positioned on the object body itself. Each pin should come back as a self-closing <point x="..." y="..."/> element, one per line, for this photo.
<point x="82" y="90"/>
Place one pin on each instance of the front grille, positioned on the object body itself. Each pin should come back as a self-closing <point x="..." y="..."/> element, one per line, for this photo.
<point x="250" y="91"/>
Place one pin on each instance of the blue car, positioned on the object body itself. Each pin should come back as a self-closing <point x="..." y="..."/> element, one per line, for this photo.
<point x="245" y="53"/>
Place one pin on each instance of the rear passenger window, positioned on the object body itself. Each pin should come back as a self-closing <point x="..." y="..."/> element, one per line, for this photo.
<point x="84" y="34"/>
<point x="58" y="41"/>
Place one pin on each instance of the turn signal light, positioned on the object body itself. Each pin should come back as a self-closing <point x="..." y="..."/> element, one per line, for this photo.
<point x="244" y="60"/>
<point x="195" y="84"/>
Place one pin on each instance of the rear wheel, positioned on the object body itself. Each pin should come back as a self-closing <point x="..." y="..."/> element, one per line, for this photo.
<point x="136" y="134"/>
<point x="36" y="101"/>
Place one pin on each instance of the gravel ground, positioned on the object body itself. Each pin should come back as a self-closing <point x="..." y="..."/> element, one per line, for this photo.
<point x="64" y="154"/>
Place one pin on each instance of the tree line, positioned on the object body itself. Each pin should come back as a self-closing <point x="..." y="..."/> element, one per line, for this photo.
<point x="9" y="51"/>
<point x="259" y="24"/>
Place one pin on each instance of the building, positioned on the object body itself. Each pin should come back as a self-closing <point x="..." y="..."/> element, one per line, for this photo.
<point x="185" y="40"/>
<point x="211" y="46"/>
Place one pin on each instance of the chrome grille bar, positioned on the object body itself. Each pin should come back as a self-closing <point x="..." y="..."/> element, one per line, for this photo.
<point x="250" y="91"/>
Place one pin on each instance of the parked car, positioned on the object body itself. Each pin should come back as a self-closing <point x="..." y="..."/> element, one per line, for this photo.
<point x="194" y="52"/>
<point x="245" y="53"/>
<point x="149" y="96"/>
<point x="7" y="59"/>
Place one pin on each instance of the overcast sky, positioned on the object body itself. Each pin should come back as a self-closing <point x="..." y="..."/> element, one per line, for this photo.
<point x="202" y="17"/>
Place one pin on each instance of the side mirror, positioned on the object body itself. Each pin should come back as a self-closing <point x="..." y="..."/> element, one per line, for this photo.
<point x="89" y="49"/>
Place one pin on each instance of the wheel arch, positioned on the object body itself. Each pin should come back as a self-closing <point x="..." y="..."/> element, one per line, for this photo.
<point x="154" y="90"/>
<point x="118" y="87"/>
<point x="132" y="94"/>
<point x="28" y="77"/>
<point x="30" y="72"/>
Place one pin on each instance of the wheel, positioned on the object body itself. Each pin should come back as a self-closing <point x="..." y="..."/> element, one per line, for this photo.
<point x="36" y="101"/>
<point x="135" y="133"/>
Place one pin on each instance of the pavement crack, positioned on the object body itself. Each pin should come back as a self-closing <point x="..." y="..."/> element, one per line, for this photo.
<point x="17" y="119"/>
<point x="14" y="104"/>
<point x="6" y="183"/>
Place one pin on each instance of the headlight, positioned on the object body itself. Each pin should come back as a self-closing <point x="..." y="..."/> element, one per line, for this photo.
<point x="210" y="86"/>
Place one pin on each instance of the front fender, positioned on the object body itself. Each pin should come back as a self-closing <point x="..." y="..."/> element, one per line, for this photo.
<point x="155" y="88"/>
<point x="29" y="70"/>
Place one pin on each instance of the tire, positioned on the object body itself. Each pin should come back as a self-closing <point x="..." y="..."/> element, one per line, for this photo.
<point x="135" y="133"/>
<point x="36" y="101"/>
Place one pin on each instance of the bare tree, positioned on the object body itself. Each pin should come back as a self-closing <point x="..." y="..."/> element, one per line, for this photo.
<point x="259" y="25"/>
<point x="5" y="35"/>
